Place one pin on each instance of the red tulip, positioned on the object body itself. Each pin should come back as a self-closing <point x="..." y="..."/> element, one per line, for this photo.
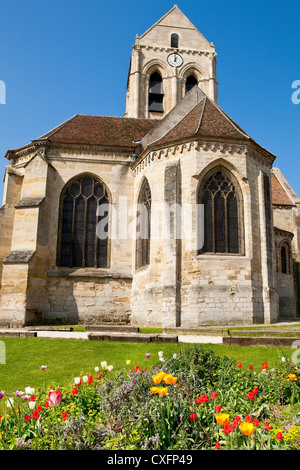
<point x="251" y="396"/>
<point x="218" y="408"/>
<point x="54" y="398"/>
<point x="239" y="364"/>
<point x="214" y="395"/>
<point x="217" y="445"/>
<point x="267" y="426"/>
<point x="193" y="416"/>
<point x="279" y="436"/>
<point x="35" y="414"/>
<point x="265" y="365"/>
<point x="64" y="416"/>
<point x="74" y="391"/>
<point x="250" y="367"/>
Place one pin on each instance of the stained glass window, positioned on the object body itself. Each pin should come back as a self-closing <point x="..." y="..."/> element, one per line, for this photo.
<point x="78" y="243"/>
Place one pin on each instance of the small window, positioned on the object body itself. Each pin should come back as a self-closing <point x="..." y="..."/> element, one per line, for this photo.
<point x="156" y="94"/>
<point x="143" y="227"/>
<point x="174" y="40"/>
<point x="284" y="258"/>
<point x="191" y="81"/>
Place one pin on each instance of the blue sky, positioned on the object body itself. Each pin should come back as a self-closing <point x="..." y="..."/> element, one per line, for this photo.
<point x="60" y="58"/>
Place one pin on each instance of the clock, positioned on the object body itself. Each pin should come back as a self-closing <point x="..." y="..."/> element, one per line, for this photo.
<point x="175" y="60"/>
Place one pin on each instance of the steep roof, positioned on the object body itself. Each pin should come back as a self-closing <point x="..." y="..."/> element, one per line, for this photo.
<point x="206" y="119"/>
<point x="202" y="119"/>
<point x="282" y="193"/>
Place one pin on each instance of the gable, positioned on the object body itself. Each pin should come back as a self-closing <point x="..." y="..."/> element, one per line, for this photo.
<point x="175" y="22"/>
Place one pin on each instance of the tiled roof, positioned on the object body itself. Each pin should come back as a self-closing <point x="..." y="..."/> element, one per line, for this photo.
<point x="279" y="195"/>
<point x="100" y="131"/>
<point x="206" y="119"/>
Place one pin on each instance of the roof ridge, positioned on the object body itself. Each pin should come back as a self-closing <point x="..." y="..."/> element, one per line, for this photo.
<point x="201" y="117"/>
<point x="178" y="122"/>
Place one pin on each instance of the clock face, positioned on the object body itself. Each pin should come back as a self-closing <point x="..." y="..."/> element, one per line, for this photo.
<point x="175" y="60"/>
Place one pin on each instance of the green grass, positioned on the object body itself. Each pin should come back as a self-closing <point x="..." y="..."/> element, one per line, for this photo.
<point x="69" y="358"/>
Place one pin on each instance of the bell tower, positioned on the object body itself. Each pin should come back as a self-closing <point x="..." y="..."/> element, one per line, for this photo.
<point x="168" y="60"/>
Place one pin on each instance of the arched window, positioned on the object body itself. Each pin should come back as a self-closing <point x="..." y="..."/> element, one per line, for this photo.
<point x="223" y="219"/>
<point x="191" y="81"/>
<point x="78" y="243"/>
<point x="143" y="226"/>
<point x="174" y="40"/>
<point x="285" y="258"/>
<point x="156" y="93"/>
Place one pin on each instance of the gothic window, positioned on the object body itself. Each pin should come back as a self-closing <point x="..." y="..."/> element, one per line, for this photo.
<point x="284" y="258"/>
<point x="143" y="226"/>
<point x="156" y="94"/>
<point x="175" y="40"/>
<point x="79" y="245"/>
<point x="191" y="81"/>
<point x="223" y="220"/>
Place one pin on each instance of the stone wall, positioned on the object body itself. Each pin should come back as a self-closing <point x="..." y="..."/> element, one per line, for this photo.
<point x="182" y="287"/>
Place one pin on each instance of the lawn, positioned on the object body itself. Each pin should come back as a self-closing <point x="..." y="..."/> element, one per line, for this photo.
<point x="69" y="358"/>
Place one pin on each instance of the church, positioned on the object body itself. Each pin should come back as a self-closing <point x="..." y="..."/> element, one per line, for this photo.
<point x="169" y="216"/>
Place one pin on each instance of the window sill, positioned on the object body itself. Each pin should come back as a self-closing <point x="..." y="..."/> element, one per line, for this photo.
<point x="142" y="268"/>
<point x="103" y="273"/>
<point x="219" y="256"/>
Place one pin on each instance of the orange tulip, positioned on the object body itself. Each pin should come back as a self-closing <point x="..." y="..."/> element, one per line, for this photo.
<point x="222" y="419"/>
<point x="247" y="428"/>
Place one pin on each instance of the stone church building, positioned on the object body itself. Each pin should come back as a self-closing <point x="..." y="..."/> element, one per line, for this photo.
<point x="169" y="216"/>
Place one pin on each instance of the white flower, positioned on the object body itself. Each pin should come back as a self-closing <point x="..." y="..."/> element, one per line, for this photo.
<point x="174" y="356"/>
<point x="103" y="364"/>
<point x="110" y="368"/>
<point x="10" y="403"/>
<point x="29" y="390"/>
<point x="283" y="359"/>
<point x="77" y="380"/>
<point x="85" y="378"/>
<point x="162" y="359"/>
<point x="160" y="354"/>
<point x="31" y="405"/>
<point x="96" y="369"/>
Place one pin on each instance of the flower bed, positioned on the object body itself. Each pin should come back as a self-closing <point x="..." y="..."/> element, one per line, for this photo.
<point x="190" y="401"/>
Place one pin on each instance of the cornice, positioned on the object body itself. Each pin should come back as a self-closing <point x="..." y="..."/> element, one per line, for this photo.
<point x="207" y="145"/>
<point x="199" y="52"/>
<point x="50" y="151"/>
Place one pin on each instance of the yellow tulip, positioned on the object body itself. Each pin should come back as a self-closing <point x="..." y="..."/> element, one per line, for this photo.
<point x="163" y="391"/>
<point x="158" y="377"/>
<point x="222" y="419"/>
<point x="170" y="380"/>
<point x="247" y="428"/>
<point x="154" y="390"/>
<point x="292" y="377"/>
<point x="128" y="362"/>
